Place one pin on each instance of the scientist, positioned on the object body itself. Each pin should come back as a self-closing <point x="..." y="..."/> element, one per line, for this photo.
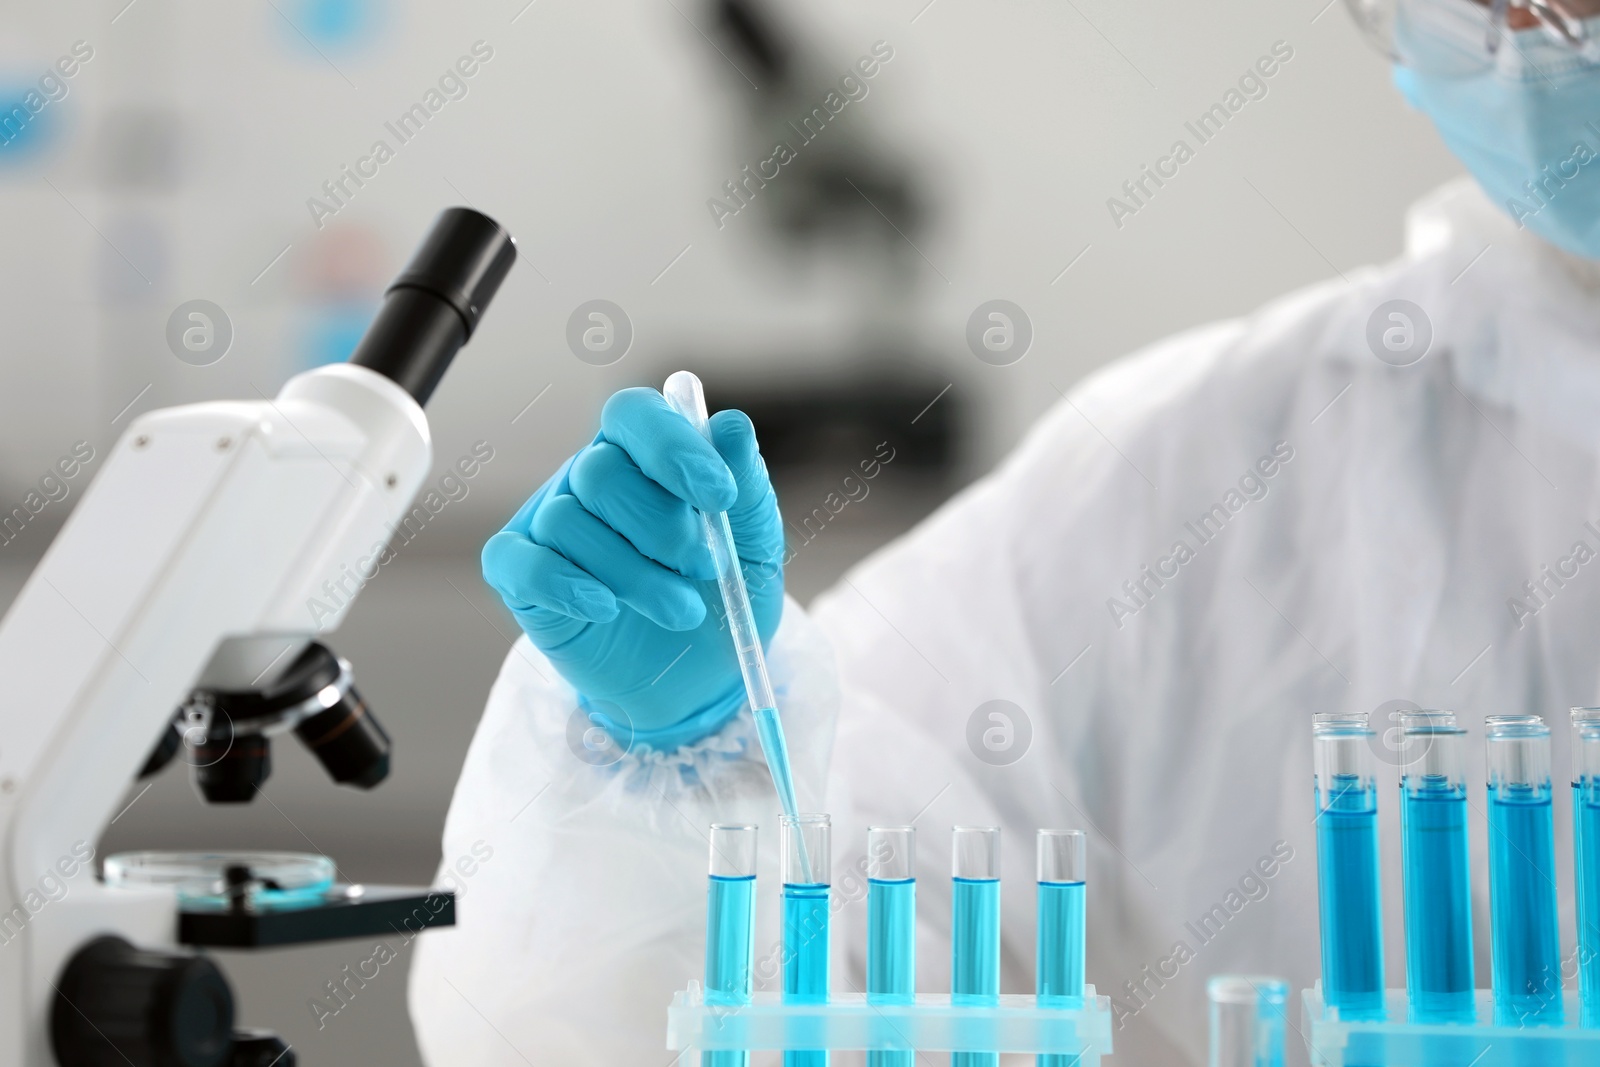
<point x="1374" y="491"/>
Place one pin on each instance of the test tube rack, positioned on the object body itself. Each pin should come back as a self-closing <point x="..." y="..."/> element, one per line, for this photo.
<point x="1395" y="1042"/>
<point x="1015" y="1023"/>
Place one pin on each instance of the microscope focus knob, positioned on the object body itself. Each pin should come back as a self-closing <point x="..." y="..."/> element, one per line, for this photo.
<point x="258" y="1048"/>
<point x="117" y="1005"/>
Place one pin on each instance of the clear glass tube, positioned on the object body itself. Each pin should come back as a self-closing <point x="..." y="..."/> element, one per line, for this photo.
<point x="1062" y="861"/>
<point x="1061" y="855"/>
<point x="1586" y="762"/>
<point x="1524" y="931"/>
<point x="730" y="925"/>
<point x="733" y="850"/>
<point x="891" y="925"/>
<point x="975" y="852"/>
<point x="1586" y="855"/>
<point x="807" y="841"/>
<point x="975" y="926"/>
<point x="1435" y="869"/>
<point x="1247" y="1020"/>
<point x="1349" y="880"/>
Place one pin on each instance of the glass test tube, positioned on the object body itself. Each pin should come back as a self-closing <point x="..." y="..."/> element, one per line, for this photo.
<point x="730" y="925"/>
<point x="806" y="866"/>
<point x="1062" y="865"/>
<point x="1435" y="869"/>
<point x="1247" y="1020"/>
<point x="1586" y="855"/>
<point x="1523" y="927"/>
<point x="891" y="926"/>
<point x="1349" y="882"/>
<point x="975" y="926"/>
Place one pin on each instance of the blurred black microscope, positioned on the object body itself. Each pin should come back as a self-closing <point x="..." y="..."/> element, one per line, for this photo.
<point x="846" y="211"/>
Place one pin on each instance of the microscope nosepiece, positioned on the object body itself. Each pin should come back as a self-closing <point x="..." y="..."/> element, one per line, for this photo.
<point x="317" y="698"/>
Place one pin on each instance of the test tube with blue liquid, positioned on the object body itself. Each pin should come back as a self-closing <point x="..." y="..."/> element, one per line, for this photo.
<point x="806" y="851"/>
<point x="730" y="925"/>
<point x="1586" y="856"/>
<point x="1435" y="868"/>
<point x="1248" y="1014"/>
<point x="1349" y="883"/>
<point x="975" y="926"/>
<point x="891" y="926"/>
<point x="1062" y="864"/>
<point x="1525" y="939"/>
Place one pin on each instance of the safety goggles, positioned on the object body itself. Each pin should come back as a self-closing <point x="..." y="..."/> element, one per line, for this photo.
<point x="1465" y="37"/>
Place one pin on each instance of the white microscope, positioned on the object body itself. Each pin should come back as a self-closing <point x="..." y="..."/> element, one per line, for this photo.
<point x="172" y="611"/>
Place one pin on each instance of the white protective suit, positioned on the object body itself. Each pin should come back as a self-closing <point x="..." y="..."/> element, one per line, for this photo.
<point x="1356" y="534"/>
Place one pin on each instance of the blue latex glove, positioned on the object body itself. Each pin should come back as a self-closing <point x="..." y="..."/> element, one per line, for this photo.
<point x="607" y="569"/>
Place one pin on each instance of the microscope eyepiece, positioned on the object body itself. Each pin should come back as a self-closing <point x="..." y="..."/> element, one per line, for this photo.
<point x="433" y="307"/>
<point x="462" y="261"/>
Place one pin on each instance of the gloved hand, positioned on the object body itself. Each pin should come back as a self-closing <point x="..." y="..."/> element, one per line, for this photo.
<point x="607" y="569"/>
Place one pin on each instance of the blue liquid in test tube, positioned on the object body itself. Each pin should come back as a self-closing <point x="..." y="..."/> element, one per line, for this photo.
<point x="1348" y="879"/>
<point x="1586" y="856"/>
<point x="975" y="927"/>
<point x="891" y="926"/>
<point x="1435" y="869"/>
<point x="805" y="918"/>
<point x="730" y="925"/>
<point x="1062" y="857"/>
<point x="1524" y="933"/>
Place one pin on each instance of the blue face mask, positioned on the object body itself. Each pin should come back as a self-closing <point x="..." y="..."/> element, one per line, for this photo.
<point x="1526" y="122"/>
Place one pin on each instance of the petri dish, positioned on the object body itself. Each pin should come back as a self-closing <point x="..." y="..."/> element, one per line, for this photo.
<point x="278" y="879"/>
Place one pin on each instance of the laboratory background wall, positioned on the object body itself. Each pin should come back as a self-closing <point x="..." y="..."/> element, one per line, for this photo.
<point x="229" y="153"/>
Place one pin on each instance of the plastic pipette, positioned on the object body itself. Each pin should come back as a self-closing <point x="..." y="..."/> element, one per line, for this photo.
<point x="684" y="393"/>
